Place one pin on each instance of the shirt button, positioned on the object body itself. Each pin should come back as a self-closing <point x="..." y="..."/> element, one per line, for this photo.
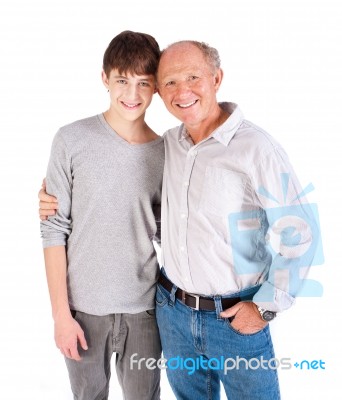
<point x="186" y="183"/>
<point x="182" y="248"/>
<point x="183" y="215"/>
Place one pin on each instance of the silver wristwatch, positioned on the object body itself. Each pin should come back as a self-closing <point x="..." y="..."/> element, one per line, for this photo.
<point x="267" y="315"/>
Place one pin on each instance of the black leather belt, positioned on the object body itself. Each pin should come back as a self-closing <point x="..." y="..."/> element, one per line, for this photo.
<point x="195" y="301"/>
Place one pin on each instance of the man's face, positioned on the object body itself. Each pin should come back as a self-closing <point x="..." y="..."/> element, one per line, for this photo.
<point x="130" y="95"/>
<point x="188" y="85"/>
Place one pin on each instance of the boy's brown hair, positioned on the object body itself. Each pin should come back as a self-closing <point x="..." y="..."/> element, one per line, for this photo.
<point x="134" y="52"/>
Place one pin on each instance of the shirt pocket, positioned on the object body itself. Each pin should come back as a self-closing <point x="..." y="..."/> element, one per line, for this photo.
<point x="223" y="191"/>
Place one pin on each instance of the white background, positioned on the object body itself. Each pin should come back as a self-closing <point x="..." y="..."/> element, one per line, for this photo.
<point x="282" y="63"/>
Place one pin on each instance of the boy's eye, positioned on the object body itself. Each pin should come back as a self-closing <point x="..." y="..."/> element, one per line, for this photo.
<point x="144" y="84"/>
<point x="121" y="81"/>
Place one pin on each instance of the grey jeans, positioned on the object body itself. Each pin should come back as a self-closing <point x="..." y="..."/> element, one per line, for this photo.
<point x="124" y="334"/>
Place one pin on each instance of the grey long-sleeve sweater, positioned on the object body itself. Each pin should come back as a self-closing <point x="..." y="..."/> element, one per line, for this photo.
<point x="109" y="195"/>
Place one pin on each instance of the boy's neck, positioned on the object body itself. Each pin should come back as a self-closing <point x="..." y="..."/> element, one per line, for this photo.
<point x="134" y="132"/>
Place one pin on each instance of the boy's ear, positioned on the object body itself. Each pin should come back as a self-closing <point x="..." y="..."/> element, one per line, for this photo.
<point x="105" y="79"/>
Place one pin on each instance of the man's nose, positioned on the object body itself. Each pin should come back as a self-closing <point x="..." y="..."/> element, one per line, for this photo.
<point x="183" y="88"/>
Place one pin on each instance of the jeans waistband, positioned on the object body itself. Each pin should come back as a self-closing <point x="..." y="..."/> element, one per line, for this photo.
<point x="204" y="303"/>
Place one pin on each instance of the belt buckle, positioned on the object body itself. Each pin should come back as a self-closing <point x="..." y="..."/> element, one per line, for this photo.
<point x="196" y="296"/>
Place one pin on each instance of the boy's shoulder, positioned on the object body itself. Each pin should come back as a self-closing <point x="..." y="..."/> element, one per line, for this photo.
<point x="78" y="130"/>
<point x="81" y="124"/>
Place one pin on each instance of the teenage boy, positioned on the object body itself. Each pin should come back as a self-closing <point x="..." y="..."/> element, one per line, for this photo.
<point x="101" y="265"/>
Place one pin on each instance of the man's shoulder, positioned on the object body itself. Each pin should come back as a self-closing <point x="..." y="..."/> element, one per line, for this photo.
<point x="258" y="138"/>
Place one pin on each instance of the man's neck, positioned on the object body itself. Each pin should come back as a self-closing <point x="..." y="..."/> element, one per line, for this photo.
<point x="134" y="132"/>
<point x="207" y="127"/>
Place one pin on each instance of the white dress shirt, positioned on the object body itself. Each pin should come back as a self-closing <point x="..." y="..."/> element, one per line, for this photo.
<point x="233" y="214"/>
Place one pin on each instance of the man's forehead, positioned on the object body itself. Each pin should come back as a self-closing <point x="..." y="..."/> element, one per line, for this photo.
<point x="182" y="68"/>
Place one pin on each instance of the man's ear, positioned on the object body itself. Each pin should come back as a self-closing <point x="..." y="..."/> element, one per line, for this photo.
<point x="105" y="79"/>
<point x="218" y="78"/>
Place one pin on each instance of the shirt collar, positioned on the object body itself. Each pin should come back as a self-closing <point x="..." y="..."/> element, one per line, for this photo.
<point x="226" y="131"/>
<point x="183" y="133"/>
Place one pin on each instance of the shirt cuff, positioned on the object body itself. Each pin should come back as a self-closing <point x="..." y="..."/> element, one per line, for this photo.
<point x="273" y="299"/>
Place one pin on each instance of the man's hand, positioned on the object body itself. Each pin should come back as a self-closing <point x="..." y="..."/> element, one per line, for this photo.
<point x="67" y="335"/>
<point x="247" y="318"/>
<point x="47" y="204"/>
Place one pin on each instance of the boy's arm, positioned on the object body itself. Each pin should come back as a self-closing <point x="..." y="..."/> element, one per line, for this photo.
<point x="47" y="204"/>
<point x="67" y="331"/>
<point x="55" y="232"/>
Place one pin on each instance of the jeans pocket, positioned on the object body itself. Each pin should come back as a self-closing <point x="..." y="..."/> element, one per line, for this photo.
<point x="161" y="298"/>
<point x="231" y="328"/>
<point x="151" y="313"/>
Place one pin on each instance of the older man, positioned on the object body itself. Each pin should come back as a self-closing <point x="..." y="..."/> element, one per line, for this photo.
<point x="221" y="282"/>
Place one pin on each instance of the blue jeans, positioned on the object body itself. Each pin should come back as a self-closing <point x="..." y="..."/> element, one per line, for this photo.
<point x="194" y="340"/>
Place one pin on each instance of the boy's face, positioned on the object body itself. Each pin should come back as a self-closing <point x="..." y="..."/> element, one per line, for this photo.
<point x="130" y="95"/>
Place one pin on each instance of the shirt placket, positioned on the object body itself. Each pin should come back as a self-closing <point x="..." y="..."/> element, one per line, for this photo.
<point x="184" y="214"/>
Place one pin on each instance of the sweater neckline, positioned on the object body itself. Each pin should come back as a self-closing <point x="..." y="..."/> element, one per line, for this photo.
<point x="124" y="142"/>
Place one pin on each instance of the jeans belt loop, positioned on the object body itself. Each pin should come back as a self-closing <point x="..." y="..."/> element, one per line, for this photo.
<point x="218" y="306"/>
<point x="172" y="298"/>
<point x="196" y="296"/>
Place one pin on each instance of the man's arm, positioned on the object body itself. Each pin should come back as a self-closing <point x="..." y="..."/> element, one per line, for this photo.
<point x="295" y="235"/>
<point x="67" y="331"/>
<point x="293" y="231"/>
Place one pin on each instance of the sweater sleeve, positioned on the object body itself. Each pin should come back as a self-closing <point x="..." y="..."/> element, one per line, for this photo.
<point x="56" y="229"/>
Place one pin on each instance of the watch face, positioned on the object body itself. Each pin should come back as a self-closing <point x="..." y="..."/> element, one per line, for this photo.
<point x="268" y="315"/>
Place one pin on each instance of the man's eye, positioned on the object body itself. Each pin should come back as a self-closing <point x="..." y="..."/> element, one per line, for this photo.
<point x="192" y="78"/>
<point x="171" y="83"/>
